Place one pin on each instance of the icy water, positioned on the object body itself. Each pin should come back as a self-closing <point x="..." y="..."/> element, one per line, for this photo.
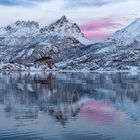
<point x="69" y="106"/>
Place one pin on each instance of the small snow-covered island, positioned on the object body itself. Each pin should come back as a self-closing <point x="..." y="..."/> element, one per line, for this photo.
<point x="62" y="46"/>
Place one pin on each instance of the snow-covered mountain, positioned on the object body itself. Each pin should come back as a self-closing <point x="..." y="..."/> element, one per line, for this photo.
<point x="121" y="52"/>
<point x="129" y="34"/>
<point x="63" y="27"/>
<point x="24" y="42"/>
<point x="18" y="33"/>
<point x="62" y="45"/>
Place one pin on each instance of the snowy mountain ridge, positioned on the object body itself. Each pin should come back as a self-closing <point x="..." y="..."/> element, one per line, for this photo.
<point x="63" y="27"/>
<point x="62" y="46"/>
<point x="127" y="35"/>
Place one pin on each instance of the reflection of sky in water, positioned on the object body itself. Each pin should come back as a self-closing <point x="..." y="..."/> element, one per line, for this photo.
<point x="102" y="106"/>
<point x="96" y="111"/>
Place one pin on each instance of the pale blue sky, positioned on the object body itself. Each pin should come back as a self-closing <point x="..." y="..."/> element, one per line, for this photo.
<point x="102" y="17"/>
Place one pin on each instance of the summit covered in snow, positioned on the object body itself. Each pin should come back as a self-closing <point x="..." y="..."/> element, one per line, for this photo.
<point x="129" y="34"/>
<point x="63" y="27"/>
<point x="62" y="46"/>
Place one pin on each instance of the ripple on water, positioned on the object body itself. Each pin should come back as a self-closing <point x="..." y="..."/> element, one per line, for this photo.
<point x="69" y="106"/>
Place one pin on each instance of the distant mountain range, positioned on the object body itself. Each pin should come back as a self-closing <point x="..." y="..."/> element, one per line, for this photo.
<point x="62" y="46"/>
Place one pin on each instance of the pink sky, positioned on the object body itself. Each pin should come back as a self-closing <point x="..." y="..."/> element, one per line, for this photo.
<point x="99" y="29"/>
<point x="98" y="18"/>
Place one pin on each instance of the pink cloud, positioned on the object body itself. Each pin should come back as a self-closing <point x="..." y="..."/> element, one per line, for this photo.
<point x="99" y="29"/>
<point x="97" y="35"/>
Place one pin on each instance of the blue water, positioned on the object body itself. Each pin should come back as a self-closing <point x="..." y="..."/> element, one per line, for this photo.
<point x="69" y="106"/>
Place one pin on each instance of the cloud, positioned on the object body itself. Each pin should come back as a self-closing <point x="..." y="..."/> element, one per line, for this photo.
<point x="9" y="2"/>
<point x="100" y="29"/>
<point x="97" y="36"/>
<point x="98" y="3"/>
<point x="67" y="3"/>
<point x="97" y="18"/>
<point x="20" y="2"/>
<point x="99" y="24"/>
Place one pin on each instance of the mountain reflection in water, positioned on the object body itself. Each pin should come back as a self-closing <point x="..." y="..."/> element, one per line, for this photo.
<point x="75" y="106"/>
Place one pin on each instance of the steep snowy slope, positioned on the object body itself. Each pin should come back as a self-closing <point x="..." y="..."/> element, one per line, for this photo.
<point x="127" y="35"/>
<point x="61" y="45"/>
<point x="63" y="27"/>
<point x="24" y="43"/>
<point x="18" y="33"/>
<point x="121" y="53"/>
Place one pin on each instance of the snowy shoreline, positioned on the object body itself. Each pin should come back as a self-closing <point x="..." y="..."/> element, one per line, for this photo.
<point x="74" y="71"/>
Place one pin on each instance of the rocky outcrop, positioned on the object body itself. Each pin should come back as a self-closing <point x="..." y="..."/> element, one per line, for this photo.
<point x="45" y="61"/>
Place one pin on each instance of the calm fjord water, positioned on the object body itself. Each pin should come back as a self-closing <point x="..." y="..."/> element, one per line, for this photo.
<point x="69" y="106"/>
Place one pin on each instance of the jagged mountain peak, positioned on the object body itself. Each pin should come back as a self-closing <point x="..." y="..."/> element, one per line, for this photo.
<point x="63" y="27"/>
<point x="60" y="25"/>
<point x="27" y="23"/>
<point x="62" y="20"/>
<point x="22" y="24"/>
<point x="18" y="33"/>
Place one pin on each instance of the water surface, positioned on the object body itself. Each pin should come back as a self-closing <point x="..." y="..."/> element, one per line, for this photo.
<point x="69" y="106"/>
